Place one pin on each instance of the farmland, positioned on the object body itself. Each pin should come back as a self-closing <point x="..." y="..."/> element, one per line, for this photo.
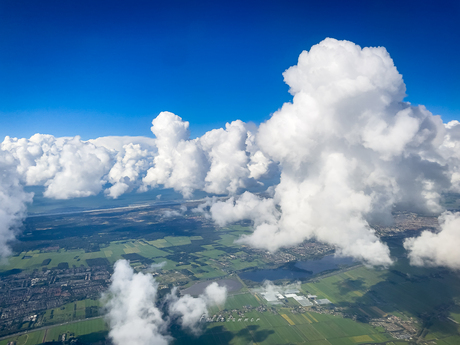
<point x="71" y="257"/>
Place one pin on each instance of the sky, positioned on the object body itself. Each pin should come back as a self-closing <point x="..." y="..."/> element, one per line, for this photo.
<point x="98" y="68"/>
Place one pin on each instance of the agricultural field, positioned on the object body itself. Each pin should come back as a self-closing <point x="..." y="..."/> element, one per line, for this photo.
<point x="86" y="330"/>
<point x="188" y="250"/>
<point x="72" y="311"/>
<point x="89" y="329"/>
<point x="429" y="296"/>
<point x="32" y="338"/>
<point x="286" y="327"/>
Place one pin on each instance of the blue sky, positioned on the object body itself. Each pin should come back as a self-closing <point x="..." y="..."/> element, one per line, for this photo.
<point x="96" y="68"/>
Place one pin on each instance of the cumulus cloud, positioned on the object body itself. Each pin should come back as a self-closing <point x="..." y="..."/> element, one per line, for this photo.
<point x="180" y="164"/>
<point x="68" y="167"/>
<point x="246" y="206"/>
<point x="349" y="150"/>
<point x="437" y="249"/>
<point x="191" y="310"/>
<point x="226" y="151"/>
<point x="133" y="315"/>
<point x="222" y="161"/>
<point x="13" y="201"/>
<point x="116" y="143"/>
<point x="131" y="162"/>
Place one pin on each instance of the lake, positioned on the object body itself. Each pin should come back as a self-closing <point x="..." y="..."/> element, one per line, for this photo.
<point x="198" y="288"/>
<point x="301" y="269"/>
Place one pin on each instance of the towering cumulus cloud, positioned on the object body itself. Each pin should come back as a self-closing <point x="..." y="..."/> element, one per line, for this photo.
<point x="349" y="149"/>
<point x="135" y="319"/>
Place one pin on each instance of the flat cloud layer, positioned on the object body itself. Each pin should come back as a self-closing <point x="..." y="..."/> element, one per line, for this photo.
<point x="348" y="150"/>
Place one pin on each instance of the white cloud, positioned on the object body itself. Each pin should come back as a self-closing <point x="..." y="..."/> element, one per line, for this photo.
<point x="68" y="167"/>
<point x="221" y="161"/>
<point x="13" y="201"/>
<point x="131" y="162"/>
<point x="191" y="310"/>
<point x="246" y="206"/>
<point x="132" y="315"/>
<point x="180" y="164"/>
<point x="156" y="266"/>
<point x="226" y="151"/>
<point x="437" y="249"/>
<point x="349" y="150"/>
<point x="116" y="143"/>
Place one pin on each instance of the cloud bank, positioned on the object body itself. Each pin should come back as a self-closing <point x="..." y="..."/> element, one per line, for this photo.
<point x="133" y="315"/>
<point x="348" y="150"/>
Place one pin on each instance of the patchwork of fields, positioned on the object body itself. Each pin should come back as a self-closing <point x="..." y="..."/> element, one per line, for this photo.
<point x="427" y="297"/>
<point x="260" y="327"/>
<point x="285" y="326"/>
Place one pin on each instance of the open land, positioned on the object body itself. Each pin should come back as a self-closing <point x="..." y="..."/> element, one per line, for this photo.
<point x="63" y="262"/>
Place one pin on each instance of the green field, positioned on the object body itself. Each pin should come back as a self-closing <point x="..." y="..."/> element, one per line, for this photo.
<point x="237" y="301"/>
<point x="71" y="311"/>
<point x="31" y="338"/>
<point x="287" y="328"/>
<point x="430" y="296"/>
<point x="403" y="291"/>
<point x="259" y="327"/>
<point x="113" y="252"/>
<point x="212" y="253"/>
<point x="228" y="240"/>
<point x="78" y="329"/>
<point x="89" y="330"/>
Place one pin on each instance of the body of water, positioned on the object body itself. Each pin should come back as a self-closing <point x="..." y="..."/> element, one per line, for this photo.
<point x="301" y="269"/>
<point x="198" y="288"/>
